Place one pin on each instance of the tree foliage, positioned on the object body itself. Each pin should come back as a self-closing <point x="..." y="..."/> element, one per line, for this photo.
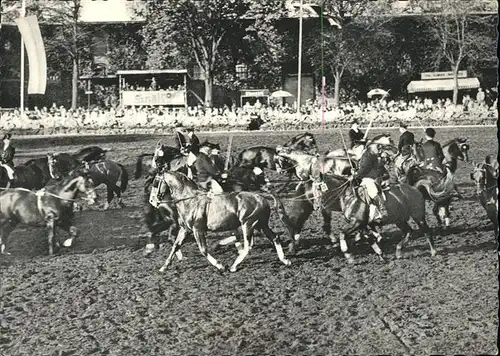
<point x="459" y="28"/>
<point x="215" y="35"/>
<point x="353" y="46"/>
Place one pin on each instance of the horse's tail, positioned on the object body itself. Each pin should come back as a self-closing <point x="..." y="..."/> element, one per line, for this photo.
<point x="442" y="190"/>
<point x="124" y="178"/>
<point x="138" y="164"/>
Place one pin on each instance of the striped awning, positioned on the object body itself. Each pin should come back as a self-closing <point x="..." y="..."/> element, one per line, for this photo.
<point x="442" y="85"/>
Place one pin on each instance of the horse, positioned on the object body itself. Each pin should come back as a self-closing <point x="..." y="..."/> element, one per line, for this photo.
<point x="165" y="152"/>
<point x="164" y="216"/>
<point x="105" y="172"/>
<point x="403" y="162"/>
<point x="200" y="212"/>
<point x="51" y="206"/>
<point x="307" y="166"/>
<point x="436" y="187"/>
<point x="455" y="150"/>
<point x="485" y="175"/>
<point x="35" y="173"/>
<point x="305" y="142"/>
<point x="90" y="154"/>
<point x="357" y="151"/>
<point x="339" y="195"/>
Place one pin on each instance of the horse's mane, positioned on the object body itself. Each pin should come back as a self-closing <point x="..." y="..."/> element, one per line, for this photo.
<point x="380" y="136"/>
<point x="456" y="140"/>
<point x="184" y="180"/>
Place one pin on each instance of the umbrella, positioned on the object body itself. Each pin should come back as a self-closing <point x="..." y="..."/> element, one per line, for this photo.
<point x="281" y="94"/>
<point x="377" y="92"/>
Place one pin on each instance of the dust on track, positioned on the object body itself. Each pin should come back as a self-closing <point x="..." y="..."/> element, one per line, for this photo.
<point x="103" y="297"/>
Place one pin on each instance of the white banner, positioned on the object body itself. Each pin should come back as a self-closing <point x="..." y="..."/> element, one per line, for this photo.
<point x="139" y="98"/>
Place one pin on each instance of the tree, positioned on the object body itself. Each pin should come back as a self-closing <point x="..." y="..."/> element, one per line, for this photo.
<point x="350" y="46"/>
<point x="197" y="28"/>
<point x="68" y="42"/>
<point x="456" y="25"/>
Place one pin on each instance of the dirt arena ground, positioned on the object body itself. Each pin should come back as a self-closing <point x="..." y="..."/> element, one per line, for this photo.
<point x="103" y="297"/>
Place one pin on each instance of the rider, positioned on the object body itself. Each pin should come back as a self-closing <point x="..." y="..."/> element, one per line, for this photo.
<point x="406" y="139"/>
<point x="433" y="152"/>
<point x="7" y="155"/>
<point x="371" y="169"/>
<point x="355" y="134"/>
<point x="193" y="145"/>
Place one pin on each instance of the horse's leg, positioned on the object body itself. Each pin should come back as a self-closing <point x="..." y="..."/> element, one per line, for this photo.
<point x="118" y="193"/>
<point x="247" y="231"/>
<point x="72" y="231"/>
<point x="425" y="229"/>
<point x="407" y="231"/>
<point x="375" y="232"/>
<point x="50" y="232"/>
<point x="371" y="237"/>
<point x="446" y="208"/>
<point x="6" y="228"/>
<point x="109" y="197"/>
<point x="178" y="241"/>
<point x="201" y="241"/>
<point x="436" y="212"/>
<point x="353" y="227"/>
<point x="277" y="244"/>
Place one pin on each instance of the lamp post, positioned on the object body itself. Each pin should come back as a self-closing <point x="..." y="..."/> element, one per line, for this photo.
<point x="299" y="69"/>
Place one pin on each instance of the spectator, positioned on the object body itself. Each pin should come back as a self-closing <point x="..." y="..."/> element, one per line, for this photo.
<point x="480" y="97"/>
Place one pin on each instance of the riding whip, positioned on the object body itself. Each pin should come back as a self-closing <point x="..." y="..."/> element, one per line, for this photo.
<point x="368" y="128"/>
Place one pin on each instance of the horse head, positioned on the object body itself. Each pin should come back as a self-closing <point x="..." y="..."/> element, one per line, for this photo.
<point x="382" y="139"/>
<point x="54" y="169"/>
<point x="304" y="141"/>
<point x="453" y="151"/>
<point x="80" y="182"/>
<point x="388" y="152"/>
<point x="492" y="165"/>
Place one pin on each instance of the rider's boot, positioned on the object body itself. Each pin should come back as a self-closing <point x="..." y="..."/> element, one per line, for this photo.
<point x="380" y="204"/>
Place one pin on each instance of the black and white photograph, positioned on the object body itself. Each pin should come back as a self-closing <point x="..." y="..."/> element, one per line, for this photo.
<point x="249" y="177"/>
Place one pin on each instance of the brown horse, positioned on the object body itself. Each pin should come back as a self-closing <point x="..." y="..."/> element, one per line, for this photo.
<point x="106" y="172"/>
<point x="200" y="212"/>
<point x="485" y="175"/>
<point x="339" y="195"/>
<point x="403" y="162"/>
<point x="50" y="207"/>
<point x="90" y="154"/>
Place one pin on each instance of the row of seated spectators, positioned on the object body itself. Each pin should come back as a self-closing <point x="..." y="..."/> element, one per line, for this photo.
<point x="274" y="117"/>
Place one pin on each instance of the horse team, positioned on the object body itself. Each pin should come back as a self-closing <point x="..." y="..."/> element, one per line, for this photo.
<point x="196" y="191"/>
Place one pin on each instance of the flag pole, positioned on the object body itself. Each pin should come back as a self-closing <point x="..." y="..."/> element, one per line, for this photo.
<point x="299" y="69"/>
<point x="21" y="100"/>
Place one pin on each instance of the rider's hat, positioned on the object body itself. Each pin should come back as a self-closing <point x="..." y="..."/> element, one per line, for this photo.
<point x="403" y="125"/>
<point x="430" y="132"/>
<point x="190" y="129"/>
<point x="355" y="121"/>
<point x="7" y="136"/>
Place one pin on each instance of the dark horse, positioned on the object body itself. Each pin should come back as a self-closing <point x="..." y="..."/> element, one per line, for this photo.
<point x="105" y="172"/>
<point x="402" y="203"/>
<point x="485" y="176"/>
<point x="200" y="212"/>
<point x="90" y="154"/>
<point x="35" y="173"/>
<point x="50" y="207"/>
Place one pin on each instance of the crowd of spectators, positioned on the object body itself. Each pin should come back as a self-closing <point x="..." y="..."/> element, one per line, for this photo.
<point x="385" y="113"/>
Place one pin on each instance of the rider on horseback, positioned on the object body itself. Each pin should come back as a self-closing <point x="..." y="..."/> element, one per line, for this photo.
<point x="7" y="156"/>
<point x="186" y="146"/>
<point x="406" y="140"/>
<point x="433" y="152"/>
<point x="356" y="135"/>
<point x="371" y="169"/>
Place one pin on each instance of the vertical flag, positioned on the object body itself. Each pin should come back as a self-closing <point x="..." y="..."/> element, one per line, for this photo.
<point x="30" y="31"/>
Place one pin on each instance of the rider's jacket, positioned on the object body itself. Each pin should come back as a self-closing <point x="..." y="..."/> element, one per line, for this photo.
<point x="433" y="153"/>
<point x="7" y="155"/>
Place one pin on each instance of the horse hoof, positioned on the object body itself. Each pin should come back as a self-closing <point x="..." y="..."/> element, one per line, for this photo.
<point x="287" y="262"/>
<point x="162" y="269"/>
<point x="433" y="253"/>
<point x="68" y="242"/>
<point x="148" y="250"/>
<point x="399" y="255"/>
<point x="232" y="269"/>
